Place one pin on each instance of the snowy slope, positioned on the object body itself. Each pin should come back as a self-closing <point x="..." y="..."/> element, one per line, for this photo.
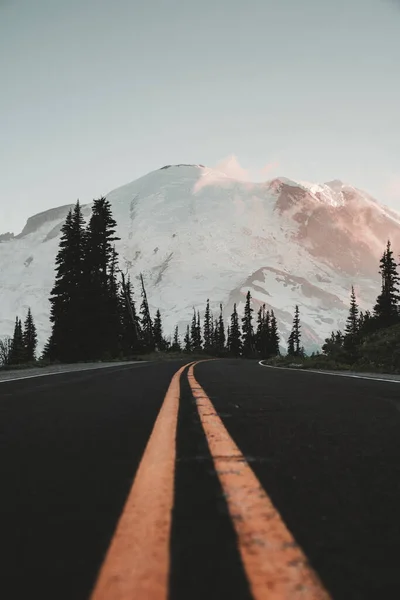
<point x="196" y="233"/>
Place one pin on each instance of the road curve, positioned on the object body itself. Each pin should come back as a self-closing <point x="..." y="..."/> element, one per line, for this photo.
<point x="225" y="480"/>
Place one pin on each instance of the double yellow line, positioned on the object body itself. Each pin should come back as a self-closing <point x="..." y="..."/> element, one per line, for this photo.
<point x="137" y="563"/>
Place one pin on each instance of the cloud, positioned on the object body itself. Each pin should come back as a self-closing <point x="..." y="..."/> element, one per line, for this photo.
<point x="229" y="169"/>
<point x="272" y="166"/>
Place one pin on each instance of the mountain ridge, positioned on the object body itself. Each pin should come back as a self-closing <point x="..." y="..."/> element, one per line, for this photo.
<point x="196" y="235"/>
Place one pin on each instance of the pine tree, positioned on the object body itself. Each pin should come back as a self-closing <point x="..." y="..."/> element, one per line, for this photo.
<point x="247" y="328"/>
<point x="98" y="267"/>
<point x="207" y="329"/>
<point x="220" y="333"/>
<point x="159" y="341"/>
<point x="176" y="345"/>
<point x="213" y="335"/>
<point x="235" y="336"/>
<point x="259" y="330"/>
<point x="294" y="348"/>
<point x="113" y="325"/>
<point x="353" y="317"/>
<point x="352" y="329"/>
<point x="146" y="322"/>
<point x="195" y="332"/>
<point x="187" y="340"/>
<point x="17" y="355"/>
<point x="67" y="297"/>
<point x="130" y="326"/>
<point x="29" y="338"/>
<point x="274" y="336"/>
<point x="386" y="309"/>
<point x="291" y="345"/>
<point x="266" y="335"/>
<point x="198" y="331"/>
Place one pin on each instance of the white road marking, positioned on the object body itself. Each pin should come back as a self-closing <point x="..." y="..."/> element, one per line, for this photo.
<point x="73" y="371"/>
<point x="330" y="373"/>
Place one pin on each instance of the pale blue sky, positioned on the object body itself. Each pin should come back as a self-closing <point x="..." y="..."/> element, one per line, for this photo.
<point x="96" y="93"/>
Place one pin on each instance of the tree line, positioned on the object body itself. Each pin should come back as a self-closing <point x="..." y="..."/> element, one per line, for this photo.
<point x="94" y="316"/>
<point x="350" y="346"/>
<point x="21" y="347"/>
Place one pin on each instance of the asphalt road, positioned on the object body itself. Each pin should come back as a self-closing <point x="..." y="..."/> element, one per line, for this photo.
<point x="325" y="449"/>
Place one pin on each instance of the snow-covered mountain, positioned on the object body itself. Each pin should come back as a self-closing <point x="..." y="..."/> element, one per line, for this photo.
<point x="197" y="233"/>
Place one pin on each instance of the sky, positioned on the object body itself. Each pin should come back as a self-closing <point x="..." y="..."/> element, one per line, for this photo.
<point x="96" y="93"/>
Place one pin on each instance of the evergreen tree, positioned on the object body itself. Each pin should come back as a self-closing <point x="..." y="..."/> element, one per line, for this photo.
<point x="294" y="348"/>
<point x="176" y="345"/>
<point x="187" y="340"/>
<point x="274" y="336"/>
<point x="17" y="355"/>
<point x="148" y="341"/>
<point x="195" y="332"/>
<point x="220" y="333"/>
<point x="198" y="330"/>
<point x="159" y="341"/>
<point x="213" y="335"/>
<point x="99" y="266"/>
<point x="266" y="335"/>
<point x="130" y="326"/>
<point x="207" y="329"/>
<point x="247" y="328"/>
<point x="386" y="309"/>
<point x="235" y="336"/>
<point x="29" y="338"/>
<point x="291" y="345"/>
<point x="67" y="297"/>
<point x="353" y="317"/>
<point x="259" y="330"/>
<point x="113" y="325"/>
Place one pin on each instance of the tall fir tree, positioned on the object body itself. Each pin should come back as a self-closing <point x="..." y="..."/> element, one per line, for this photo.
<point x="274" y="344"/>
<point x="187" y="342"/>
<point x="195" y="332"/>
<point x="235" y="336"/>
<point x="148" y="341"/>
<point x="207" y="329"/>
<point x="220" y="333"/>
<point x="198" y="329"/>
<point x="294" y="341"/>
<point x="259" y="330"/>
<point x="98" y="268"/>
<point x="386" y="309"/>
<point x="213" y="335"/>
<point x="67" y="297"/>
<point x="17" y="354"/>
<point x="290" y="345"/>
<point x="176" y="345"/>
<point x="113" y="326"/>
<point x="29" y="338"/>
<point x="130" y="325"/>
<point x="352" y="323"/>
<point x="159" y="341"/>
<point x="247" y="329"/>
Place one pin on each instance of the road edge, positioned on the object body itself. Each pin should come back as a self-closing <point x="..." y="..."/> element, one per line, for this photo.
<point x="341" y="374"/>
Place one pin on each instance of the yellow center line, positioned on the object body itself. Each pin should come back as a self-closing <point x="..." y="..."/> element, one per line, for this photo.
<point x="275" y="565"/>
<point x="137" y="563"/>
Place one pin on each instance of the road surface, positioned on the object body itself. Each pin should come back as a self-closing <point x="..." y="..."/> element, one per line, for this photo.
<point x="227" y="480"/>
